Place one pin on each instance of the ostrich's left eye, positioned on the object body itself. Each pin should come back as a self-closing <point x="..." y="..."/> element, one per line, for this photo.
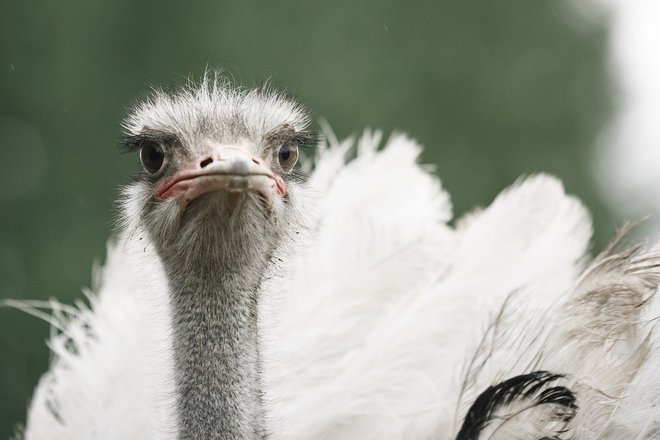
<point x="287" y="156"/>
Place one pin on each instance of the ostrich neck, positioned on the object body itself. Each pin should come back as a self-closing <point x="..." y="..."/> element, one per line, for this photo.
<point x="216" y="348"/>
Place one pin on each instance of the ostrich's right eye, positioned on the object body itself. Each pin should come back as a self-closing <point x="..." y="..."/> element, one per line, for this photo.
<point x="152" y="157"/>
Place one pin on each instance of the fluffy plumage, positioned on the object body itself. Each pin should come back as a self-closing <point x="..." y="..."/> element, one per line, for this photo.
<point x="381" y="320"/>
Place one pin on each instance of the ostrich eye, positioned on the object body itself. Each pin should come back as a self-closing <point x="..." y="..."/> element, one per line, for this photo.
<point x="287" y="156"/>
<point x="152" y="157"/>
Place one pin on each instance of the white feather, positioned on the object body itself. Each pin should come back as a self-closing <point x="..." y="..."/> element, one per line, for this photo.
<point x="372" y="329"/>
<point x="110" y="374"/>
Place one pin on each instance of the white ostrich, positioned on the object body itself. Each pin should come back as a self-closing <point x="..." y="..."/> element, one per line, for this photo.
<point x="241" y="300"/>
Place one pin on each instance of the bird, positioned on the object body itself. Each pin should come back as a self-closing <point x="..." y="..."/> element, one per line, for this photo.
<point x="267" y="283"/>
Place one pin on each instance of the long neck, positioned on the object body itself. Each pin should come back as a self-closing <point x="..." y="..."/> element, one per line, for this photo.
<point x="216" y="348"/>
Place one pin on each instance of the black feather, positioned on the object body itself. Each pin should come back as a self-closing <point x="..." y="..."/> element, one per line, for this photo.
<point x="525" y="386"/>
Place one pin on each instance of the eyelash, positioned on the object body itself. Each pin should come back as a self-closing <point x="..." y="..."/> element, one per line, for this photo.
<point x="133" y="143"/>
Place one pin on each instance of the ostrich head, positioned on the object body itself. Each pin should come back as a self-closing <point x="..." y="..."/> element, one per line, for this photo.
<point x="217" y="171"/>
<point x="216" y="197"/>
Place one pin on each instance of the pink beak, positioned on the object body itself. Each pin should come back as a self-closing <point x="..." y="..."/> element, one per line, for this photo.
<point x="226" y="168"/>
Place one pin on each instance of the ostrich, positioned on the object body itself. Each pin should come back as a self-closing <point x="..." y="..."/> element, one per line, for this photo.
<point x="216" y="200"/>
<point x="242" y="300"/>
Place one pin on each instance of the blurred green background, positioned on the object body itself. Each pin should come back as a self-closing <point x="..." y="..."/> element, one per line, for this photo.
<point x="494" y="90"/>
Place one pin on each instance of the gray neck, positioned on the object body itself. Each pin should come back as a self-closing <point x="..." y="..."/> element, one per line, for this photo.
<point x="216" y="349"/>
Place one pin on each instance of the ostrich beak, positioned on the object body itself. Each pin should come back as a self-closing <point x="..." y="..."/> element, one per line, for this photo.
<point x="226" y="168"/>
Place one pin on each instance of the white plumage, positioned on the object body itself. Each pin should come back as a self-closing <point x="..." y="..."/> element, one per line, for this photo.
<point x="387" y="321"/>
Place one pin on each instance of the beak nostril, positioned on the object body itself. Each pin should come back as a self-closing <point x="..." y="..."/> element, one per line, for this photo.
<point x="255" y="161"/>
<point x="206" y="162"/>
